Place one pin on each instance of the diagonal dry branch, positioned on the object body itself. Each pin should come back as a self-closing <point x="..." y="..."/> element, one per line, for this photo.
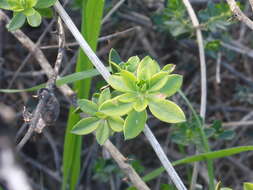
<point x="105" y="73"/>
<point x="67" y="91"/>
<point x="239" y="14"/>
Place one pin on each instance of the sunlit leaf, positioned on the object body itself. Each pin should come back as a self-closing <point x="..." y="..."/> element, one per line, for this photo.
<point x="104" y="95"/>
<point x="102" y="132"/>
<point x="147" y="68"/>
<point x="118" y="83"/>
<point x="247" y="186"/>
<point x="114" y="107"/>
<point x="41" y="4"/>
<point x="158" y="81"/>
<point x="116" y="123"/>
<point x="167" y="111"/>
<point x="87" y="106"/>
<point x="127" y="97"/>
<point x="169" y="68"/>
<point x="172" y="85"/>
<point x="140" y="104"/>
<point x="16" y="22"/>
<point x="34" y="20"/>
<point x="86" y="126"/>
<point x="134" y="124"/>
<point x="129" y="79"/>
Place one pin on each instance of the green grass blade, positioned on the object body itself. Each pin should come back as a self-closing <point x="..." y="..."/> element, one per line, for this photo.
<point x="64" y="80"/>
<point x="200" y="157"/>
<point x="91" y="20"/>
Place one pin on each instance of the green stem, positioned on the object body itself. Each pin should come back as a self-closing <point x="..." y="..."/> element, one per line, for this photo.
<point x="92" y="12"/>
<point x="204" y="141"/>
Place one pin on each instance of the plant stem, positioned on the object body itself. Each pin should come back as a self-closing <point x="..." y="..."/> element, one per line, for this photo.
<point x="105" y="73"/>
<point x="204" y="140"/>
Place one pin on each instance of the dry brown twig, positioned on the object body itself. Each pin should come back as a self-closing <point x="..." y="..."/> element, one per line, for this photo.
<point x="47" y="110"/>
<point x="66" y="90"/>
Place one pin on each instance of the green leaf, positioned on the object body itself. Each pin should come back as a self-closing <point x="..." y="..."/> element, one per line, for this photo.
<point x="247" y="186"/>
<point x="87" y="106"/>
<point x="116" y="123"/>
<point x="114" y="61"/>
<point x="134" y="124"/>
<point x="92" y="13"/>
<point x="114" y="107"/>
<point x="154" y="174"/>
<point x="64" y="80"/>
<point x="102" y="132"/>
<point x="46" y="12"/>
<point x="41" y="4"/>
<point x="167" y="111"/>
<point x="158" y="81"/>
<point x="86" y="126"/>
<point x="147" y="68"/>
<point x="132" y="64"/>
<point x="4" y="5"/>
<point x="200" y="157"/>
<point x="129" y="79"/>
<point x="118" y="83"/>
<point x="172" y="85"/>
<point x="105" y="95"/>
<point x="127" y="97"/>
<point x="34" y="20"/>
<point x="16" y="22"/>
<point x="29" y="11"/>
<point x="140" y="104"/>
<point x="114" y="57"/>
<point x="29" y="3"/>
<point x="169" y="68"/>
<point x="16" y="6"/>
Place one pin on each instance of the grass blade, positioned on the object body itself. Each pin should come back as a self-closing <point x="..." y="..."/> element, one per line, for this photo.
<point x="200" y="157"/>
<point x="64" y="80"/>
<point x="91" y="18"/>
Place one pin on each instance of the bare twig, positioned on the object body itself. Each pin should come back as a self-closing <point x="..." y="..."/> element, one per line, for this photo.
<point x="112" y="11"/>
<point x="195" y="23"/>
<point x="66" y="90"/>
<point x="126" y="168"/>
<point x="105" y="73"/>
<point x="47" y="110"/>
<point x="218" y="62"/>
<point x="101" y="39"/>
<point x="239" y="14"/>
<point x="163" y="158"/>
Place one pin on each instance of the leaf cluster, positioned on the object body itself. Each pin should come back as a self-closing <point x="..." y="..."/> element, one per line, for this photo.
<point x="214" y="19"/>
<point x="30" y="10"/>
<point x="138" y="84"/>
<point x="187" y="133"/>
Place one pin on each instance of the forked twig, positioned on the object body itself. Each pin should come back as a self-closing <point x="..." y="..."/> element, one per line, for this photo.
<point x="47" y="110"/>
<point x="105" y="73"/>
<point x="67" y="91"/>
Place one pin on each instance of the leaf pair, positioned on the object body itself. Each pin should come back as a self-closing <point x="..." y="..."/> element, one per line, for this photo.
<point x="30" y="10"/>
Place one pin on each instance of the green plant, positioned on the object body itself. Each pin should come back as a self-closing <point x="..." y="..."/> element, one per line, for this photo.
<point x="246" y="186"/>
<point x="30" y="10"/>
<point x="138" y="84"/>
<point x="92" y="12"/>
